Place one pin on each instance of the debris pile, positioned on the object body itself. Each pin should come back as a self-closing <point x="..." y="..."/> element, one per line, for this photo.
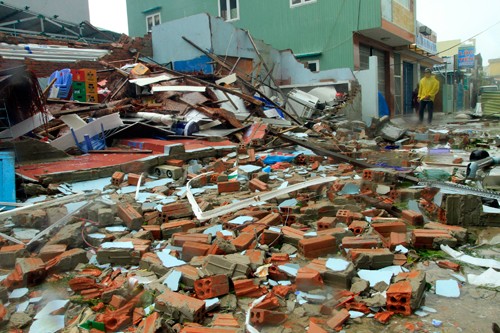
<point x="195" y="203"/>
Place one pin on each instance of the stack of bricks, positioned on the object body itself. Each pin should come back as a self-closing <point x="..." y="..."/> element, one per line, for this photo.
<point x="85" y="85"/>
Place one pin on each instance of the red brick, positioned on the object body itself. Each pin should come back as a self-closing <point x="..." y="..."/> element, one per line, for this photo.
<point x="178" y="239"/>
<point x="448" y="264"/>
<point x="132" y="219"/>
<point x="27" y="272"/>
<point x="385" y="228"/>
<point x="175" y="210"/>
<point x="291" y="232"/>
<point x="344" y="216"/>
<point x="338" y="319"/>
<point x="283" y="291"/>
<point x="270" y="302"/>
<point x="397" y="238"/>
<point x="279" y="258"/>
<point x="366" y="242"/>
<point x="384" y="316"/>
<point x="211" y="287"/>
<point x="254" y="228"/>
<point x="194" y="249"/>
<point x="399" y="297"/>
<point x="117" y="178"/>
<point x="117" y="301"/>
<point x="317" y="246"/>
<point x="133" y="179"/>
<point x="227" y="187"/>
<point x="424" y="238"/>
<point x="169" y="228"/>
<point x="247" y="288"/>
<point x="154" y="229"/>
<point x="173" y="162"/>
<point x="358" y="227"/>
<point x="152" y="218"/>
<point x="315" y="327"/>
<point x="243" y="241"/>
<point x="225" y="320"/>
<point x="326" y="222"/>
<point x="308" y="279"/>
<point x="412" y="217"/>
<point x="269" y="220"/>
<point x="257" y="185"/>
<point x="277" y="275"/>
<point x="266" y="317"/>
<point x="269" y="237"/>
<point x="9" y="254"/>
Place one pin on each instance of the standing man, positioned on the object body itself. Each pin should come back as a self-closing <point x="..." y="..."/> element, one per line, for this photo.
<point x="427" y="91"/>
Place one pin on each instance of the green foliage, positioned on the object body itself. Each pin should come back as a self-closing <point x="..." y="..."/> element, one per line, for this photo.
<point x="80" y="300"/>
<point x="426" y="254"/>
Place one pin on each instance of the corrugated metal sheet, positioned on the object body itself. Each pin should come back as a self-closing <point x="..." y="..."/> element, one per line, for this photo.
<point x="490" y="103"/>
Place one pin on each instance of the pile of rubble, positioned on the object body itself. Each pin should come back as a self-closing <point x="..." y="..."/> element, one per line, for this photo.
<point x="199" y="204"/>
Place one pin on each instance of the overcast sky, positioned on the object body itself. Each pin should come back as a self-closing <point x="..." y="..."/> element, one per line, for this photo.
<point x="450" y="19"/>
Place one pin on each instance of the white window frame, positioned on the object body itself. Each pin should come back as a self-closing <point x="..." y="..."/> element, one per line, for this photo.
<point x="153" y="17"/>
<point x="313" y="62"/>
<point x="228" y="6"/>
<point x="302" y="3"/>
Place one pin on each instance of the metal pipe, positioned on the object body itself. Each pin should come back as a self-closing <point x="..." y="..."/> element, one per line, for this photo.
<point x="474" y="167"/>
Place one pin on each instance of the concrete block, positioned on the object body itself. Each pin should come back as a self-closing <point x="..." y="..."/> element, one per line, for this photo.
<point x="10" y="253"/>
<point x="180" y="307"/>
<point x="221" y="265"/>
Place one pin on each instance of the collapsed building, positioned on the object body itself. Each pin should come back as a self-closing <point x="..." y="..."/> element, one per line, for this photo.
<point x="247" y="197"/>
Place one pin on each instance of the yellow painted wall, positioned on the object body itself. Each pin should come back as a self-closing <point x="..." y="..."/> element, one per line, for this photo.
<point x="403" y="17"/>
<point x="445" y="45"/>
<point x="494" y="67"/>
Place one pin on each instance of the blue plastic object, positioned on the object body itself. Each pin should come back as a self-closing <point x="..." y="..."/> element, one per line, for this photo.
<point x="267" y="169"/>
<point x="268" y="105"/>
<point x="271" y="159"/>
<point x="64" y="80"/>
<point x="97" y="142"/>
<point x="383" y="108"/>
<point x="8" y="181"/>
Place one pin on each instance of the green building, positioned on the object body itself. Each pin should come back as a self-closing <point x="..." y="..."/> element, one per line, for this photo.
<point x="323" y="34"/>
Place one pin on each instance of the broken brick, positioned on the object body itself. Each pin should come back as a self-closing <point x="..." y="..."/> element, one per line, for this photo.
<point x="180" y="307"/>
<point x="227" y="187"/>
<point x="210" y="287"/>
<point x="130" y="216"/>
<point x="317" y="246"/>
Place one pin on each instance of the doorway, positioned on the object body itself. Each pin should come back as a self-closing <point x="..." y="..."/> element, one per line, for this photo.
<point x="407" y="87"/>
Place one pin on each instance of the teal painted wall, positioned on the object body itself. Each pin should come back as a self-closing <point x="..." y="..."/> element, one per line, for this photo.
<point x="170" y="10"/>
<point x="324" y="26"/>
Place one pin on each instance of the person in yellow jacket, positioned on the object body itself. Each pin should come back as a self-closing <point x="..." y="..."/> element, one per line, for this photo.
<point x="427" y="91"/>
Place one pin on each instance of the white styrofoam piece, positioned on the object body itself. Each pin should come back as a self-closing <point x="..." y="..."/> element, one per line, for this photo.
<point x="471" y="260"/>
<point x="18" y="293"/>
<point x="375" y="276"/>
<point x="116" y="228"/>
<point x="117" y="245"/>
<point x="447" y="288"/>
<point x="489" y="278"/>
<point x="48" y="324"/>
<point x="51" y="307"/>
<point x="169" y="260"/>
<point x="241" y="220"/>
<point x="337" y="265"/>
<point x="172" y="280"/>
<point x="150" y="80"/>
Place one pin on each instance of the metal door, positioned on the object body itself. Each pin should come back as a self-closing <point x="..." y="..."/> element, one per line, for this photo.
<point x="407" y="87"/>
